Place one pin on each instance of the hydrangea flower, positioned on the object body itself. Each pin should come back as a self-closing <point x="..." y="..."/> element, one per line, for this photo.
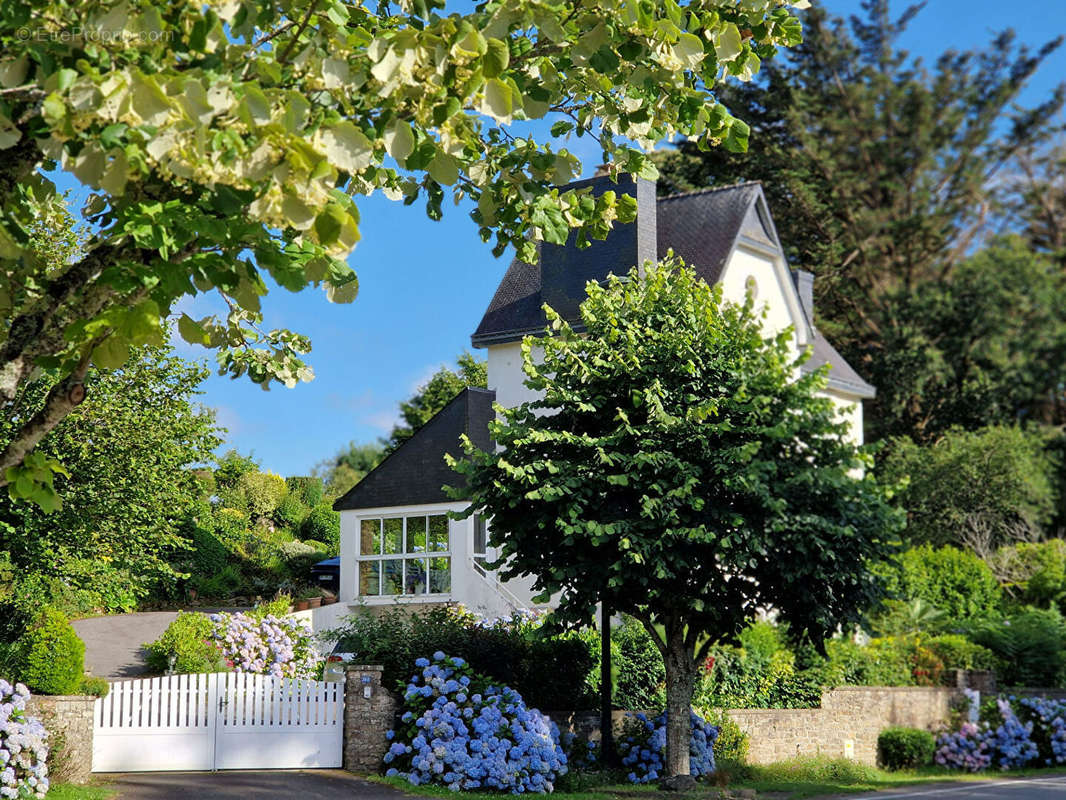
<point x="469" y="734"/>
<point x="1013" y="742"/>
<point x="278" y="646"/>
<point x="644" y="749"/>
<point x="23" y="746"/>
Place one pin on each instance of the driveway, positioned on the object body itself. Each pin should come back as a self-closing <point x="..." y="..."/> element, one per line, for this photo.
<point x="1040" y="788"/>
<point x="113" y="643"/>
<point x="319" y="784"/>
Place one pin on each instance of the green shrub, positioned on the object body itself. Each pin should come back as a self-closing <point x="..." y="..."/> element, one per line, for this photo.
<point x="186" y="641"/>
<point x="291" y="512"/>
<point x="308" y="489"/>
<point x="323" y="524"/>
<point x="263" y="492"/>
<point x="91" y="685"/>
<point x="905" y="748"/>
<point x="880" y="663"/>
<point x="958" y="652"/>
<point x="732" y="743"/>
<point x="953" y="581"/>
<point x="549" y="672"/>
<point x="764" y="677"/>
<point x="50" y="657"/>
<point x="209" y="555"/>
<point x="278" y="607"/>
<point x="1030" y="646"/>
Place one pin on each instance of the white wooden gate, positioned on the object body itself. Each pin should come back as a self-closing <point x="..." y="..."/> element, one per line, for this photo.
<point x="224" y="720"/>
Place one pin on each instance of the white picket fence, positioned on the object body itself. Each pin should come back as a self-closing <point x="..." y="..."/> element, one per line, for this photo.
<point x="225" y="720"/>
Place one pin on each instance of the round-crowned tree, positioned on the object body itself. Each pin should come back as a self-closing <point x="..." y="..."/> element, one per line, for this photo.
<point x="680" y="467"/>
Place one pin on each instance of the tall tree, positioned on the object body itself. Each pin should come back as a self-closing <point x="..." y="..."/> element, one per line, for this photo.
<point x="987" y="346"/>
<point x="224" y="141"/>
<point x="133" y="449"/>
<point x="435" y="394"/>
<point x="880" y="172"/>
<point x="1039" y="203"/>
<point x="683" y="475"/>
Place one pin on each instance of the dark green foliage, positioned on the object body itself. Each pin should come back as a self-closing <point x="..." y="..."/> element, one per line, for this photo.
<point x="187" y="640"/>
<point x="92" y="685"/>
<point x="323" y="524"/>
<point x="754" y="677"/>
<point x="1030" y="646"/>
<point x="905" y="748"/>
<point x="955" y="582"/>
<point x="49" y="656"/>
<point x="880" y="172"/>
<point x="549" y="672"/>
<point x="976" y="489"/>
<point x="209" y="556"/>
<point x="987" y="346"/>
<point x="307" y="489"/>
<point x="434" y="395"/>
<point x="958" y="652"/>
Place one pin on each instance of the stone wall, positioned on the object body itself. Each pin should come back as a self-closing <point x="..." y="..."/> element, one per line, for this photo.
<point x="369" y="711"/>
<point x="69" y="722"/>
<point x="847" y="724"/>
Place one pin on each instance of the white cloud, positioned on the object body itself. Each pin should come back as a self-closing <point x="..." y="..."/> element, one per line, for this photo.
<point x="383" y="420"/>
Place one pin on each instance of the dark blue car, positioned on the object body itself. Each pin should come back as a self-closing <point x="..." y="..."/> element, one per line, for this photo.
<point x="327" y="574"/>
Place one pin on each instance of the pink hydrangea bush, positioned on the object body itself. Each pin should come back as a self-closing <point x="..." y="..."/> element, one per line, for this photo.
<point x="23" y="746"/>
<point x="278" y="646"/>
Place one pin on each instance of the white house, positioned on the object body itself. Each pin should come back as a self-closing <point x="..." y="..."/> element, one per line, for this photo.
<point x="398" y="544"/>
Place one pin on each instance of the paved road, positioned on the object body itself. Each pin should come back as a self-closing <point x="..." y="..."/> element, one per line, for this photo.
<point x="113" y="643"/>
<point x="319" y="784"/>
<point x="1043" y="788"/>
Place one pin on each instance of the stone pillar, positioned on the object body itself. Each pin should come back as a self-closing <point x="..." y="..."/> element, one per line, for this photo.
<point x="69" y="722"/>
<point x="369" y="712"/>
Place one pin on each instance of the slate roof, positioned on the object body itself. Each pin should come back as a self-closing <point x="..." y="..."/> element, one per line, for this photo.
<point x="415" y="472"/>
<point x="701" y="227"/>
<point x="841" y="375"/>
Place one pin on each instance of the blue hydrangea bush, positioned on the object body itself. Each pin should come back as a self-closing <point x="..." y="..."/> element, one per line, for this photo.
<point x="460" y="731"/>
<point x="23" y="746"/>
<point x="644" y="747"/>
<point x="278" y="646"/>
<point x="1014" y="733"/>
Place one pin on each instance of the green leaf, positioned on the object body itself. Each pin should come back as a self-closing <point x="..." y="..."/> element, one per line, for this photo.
<point x="497" y="57"/>
<point x="399" y="141"/>
<point x="111" y="353"/>
<point x="498" y="100"/>
<point x="729" y="43"/>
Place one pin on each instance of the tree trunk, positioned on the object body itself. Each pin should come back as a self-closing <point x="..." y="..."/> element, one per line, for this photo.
<point x="681" y="673"/>
<point x="606" y="690"/>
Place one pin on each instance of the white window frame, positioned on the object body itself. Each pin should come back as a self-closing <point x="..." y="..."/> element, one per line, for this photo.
<point x="403" y="556"/>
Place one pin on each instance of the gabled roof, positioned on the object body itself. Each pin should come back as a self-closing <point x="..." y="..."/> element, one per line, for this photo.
<point x="702" y="227"/>
<point x="415" y="472"/>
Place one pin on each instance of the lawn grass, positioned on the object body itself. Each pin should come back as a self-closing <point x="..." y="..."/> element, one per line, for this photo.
<point x="787" y="780"/>
<point x="73" y="791"/>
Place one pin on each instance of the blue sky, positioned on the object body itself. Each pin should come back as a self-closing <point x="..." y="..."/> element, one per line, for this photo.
<point x="425" y="284"/>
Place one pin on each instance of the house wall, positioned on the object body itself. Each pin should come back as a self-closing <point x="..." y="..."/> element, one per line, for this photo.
<point x="772" y="294"/>
<point x="850" y="409"/>
<point x="505" y="375"/>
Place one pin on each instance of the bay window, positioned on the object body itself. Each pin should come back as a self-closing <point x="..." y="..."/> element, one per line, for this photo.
<point x="404" y="556"/>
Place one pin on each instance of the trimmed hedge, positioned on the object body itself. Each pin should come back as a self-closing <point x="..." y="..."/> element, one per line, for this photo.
<point x="905" y="748"/>
<point x="49" y="657"/>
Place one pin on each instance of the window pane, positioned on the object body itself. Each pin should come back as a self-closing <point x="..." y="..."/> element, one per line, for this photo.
<point x="480" y="535"/>
<point x="392" y="576"/>
<point x="370" y="537"/>
<point x="416" y="534"/>
<point x="440" y="575"/>
<point x="369" y="579"/>
<point x="393" y="536"/>
<point x="415" y="570"/>
<point x="438" y="534"/>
